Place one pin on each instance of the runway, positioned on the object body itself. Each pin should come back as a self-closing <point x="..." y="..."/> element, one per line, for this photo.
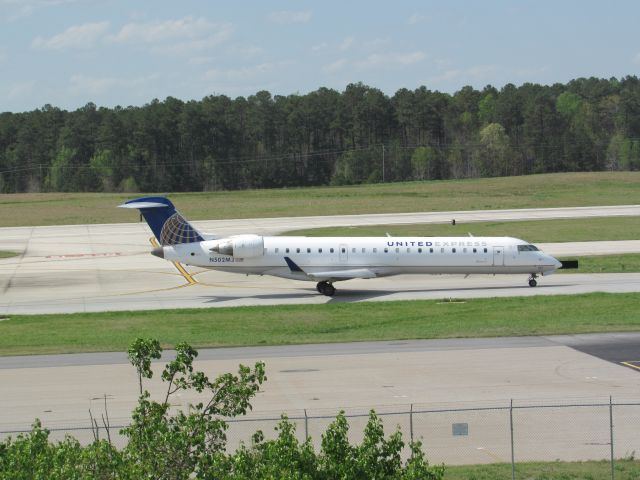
<point x="88" y="268"/>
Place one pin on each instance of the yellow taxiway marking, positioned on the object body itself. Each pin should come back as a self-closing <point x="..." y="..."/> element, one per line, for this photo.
<point x="186" y="275"/>
<point x="631" y="364"/>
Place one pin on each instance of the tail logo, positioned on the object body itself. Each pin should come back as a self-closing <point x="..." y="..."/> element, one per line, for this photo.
<point x="177" y="230"/>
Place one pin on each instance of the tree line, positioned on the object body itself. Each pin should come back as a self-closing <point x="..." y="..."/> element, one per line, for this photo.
<point x="324" y="137"/>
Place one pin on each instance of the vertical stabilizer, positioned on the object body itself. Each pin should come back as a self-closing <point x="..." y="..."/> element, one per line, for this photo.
<point x="166" y="223"/>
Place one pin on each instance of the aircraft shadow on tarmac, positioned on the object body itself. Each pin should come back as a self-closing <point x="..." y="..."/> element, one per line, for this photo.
<point x="345" y="295"/>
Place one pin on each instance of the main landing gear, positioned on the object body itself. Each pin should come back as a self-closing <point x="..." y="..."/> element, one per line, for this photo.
<point x="326" y="288"/>
<point x="532" y="280"/>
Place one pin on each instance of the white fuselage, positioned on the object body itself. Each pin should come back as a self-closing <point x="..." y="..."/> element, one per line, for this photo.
<point x="368" y="257"/>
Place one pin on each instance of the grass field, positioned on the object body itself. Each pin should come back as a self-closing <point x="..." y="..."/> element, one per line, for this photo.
<point x="340" y="322"/>
<point x="551" y="190"/>
<point x="564" y="230"/>
<point x="624" y="470"/>
<point x="4" y="254"/>
<point x="605" y="264"/>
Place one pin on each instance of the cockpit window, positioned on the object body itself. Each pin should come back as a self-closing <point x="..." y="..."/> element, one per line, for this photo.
<point x="527" y="248"/>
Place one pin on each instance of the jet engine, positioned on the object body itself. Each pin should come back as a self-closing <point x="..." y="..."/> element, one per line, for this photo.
<point x="241" y="246"/>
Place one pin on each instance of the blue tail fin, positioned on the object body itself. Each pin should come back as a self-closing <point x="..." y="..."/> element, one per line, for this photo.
<point x="167" y="224"/>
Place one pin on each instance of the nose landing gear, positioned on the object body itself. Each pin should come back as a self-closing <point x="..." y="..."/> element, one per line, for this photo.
<point x="532" y="280"/>
<point x="326" y="288"/>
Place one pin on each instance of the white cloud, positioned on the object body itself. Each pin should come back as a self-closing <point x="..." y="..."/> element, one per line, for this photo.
<point x="335" y="66"/>
<point x="378" y="42"/>
<point x="377" y="59"/>
<point x="287" y="17"/>
<point x="346" y="43"/>
<point x="531" y="72"/>
<point x="320" y="47"/>
<point x="22" y="89"/>
<point x="467" y="75"/>
<point x="18" y="9"/>
<point x="244" y="73"/>
<point x="78" y="36"/>
<point x="179" y="37"/>
<point x="100" y="85"/>
<point x="416" y="18"/>
<point x="155" y="32"/>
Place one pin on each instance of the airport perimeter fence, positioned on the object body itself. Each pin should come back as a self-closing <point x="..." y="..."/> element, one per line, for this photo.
<point x="510" y="433"/>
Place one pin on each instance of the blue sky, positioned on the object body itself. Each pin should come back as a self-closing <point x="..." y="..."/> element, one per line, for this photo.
<point x="115" y="52"/>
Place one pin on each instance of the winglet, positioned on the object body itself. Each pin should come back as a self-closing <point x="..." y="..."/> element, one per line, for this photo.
<point x="292" y="265"/>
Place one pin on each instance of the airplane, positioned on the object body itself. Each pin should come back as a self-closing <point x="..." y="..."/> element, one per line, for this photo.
<point x="327" y="260"/>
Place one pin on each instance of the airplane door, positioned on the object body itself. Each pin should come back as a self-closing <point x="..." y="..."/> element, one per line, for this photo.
<point x="343" y="253"/>
<point x="498" y="256"/>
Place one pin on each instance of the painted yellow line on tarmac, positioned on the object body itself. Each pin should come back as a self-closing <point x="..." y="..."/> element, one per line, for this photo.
<point x="186" y="275"/>
<point x="631" y="364"/>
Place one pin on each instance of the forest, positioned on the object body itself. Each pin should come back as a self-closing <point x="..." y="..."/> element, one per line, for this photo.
<point x="325" y="137"/>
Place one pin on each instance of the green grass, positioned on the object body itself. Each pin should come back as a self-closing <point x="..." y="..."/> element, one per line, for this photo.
<point x="551" y="190"/>
<point x="565" y="230"/>
<point x="628" y="263"/>
<point x="4" y="254"/>
<point x="624" y="470"/>
<point x="337" y="322"/>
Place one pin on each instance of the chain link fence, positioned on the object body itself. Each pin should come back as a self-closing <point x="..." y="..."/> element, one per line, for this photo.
<point x="512" y="432"/>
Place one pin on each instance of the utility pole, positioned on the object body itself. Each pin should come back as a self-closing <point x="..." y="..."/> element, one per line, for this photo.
<point x="383" y="163"/>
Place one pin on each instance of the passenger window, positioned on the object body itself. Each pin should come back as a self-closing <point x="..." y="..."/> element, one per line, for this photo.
<point x="344" y="250"/>
<point x="297" y="250"/>
<point x="331" y="250"/>
<point x="386" y="250"/>
<point x="277" y="250"/>
<point x="464" y="250"/>
<point x="364" y="250"/>
<point x="319" y="250"/>
<point x="375" y="250"/>
<point x="475" y="250"/>
<point x="287" y="250"/>
<point x="419" y="250"/>
<point x="397" y="250"/>
<point x="442" y="250"/>
<point x="431" y="250"/>
<point x="353" y="250"/>
<point x="408" y="250"/>
<point x="453" y="250"/>
<point x="485" y="250"/>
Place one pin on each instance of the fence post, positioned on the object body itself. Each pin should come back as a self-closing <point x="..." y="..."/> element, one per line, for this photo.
<point x="611" y="436"/>
<point x="513" y="463"/>
<point x="306" y="426"/>
<point x="411" y="422"/>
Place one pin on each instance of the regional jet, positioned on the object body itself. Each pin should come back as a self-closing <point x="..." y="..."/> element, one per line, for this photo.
<point x="327" y="260"/>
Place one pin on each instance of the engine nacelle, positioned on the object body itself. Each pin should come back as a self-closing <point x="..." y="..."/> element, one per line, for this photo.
<point x="241" y="246"/>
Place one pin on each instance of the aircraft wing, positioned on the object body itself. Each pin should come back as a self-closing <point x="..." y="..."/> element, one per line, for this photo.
<point x="345" y="274"/>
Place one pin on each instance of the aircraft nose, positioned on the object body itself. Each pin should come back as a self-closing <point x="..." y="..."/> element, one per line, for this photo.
<point x="158" y="252"/>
